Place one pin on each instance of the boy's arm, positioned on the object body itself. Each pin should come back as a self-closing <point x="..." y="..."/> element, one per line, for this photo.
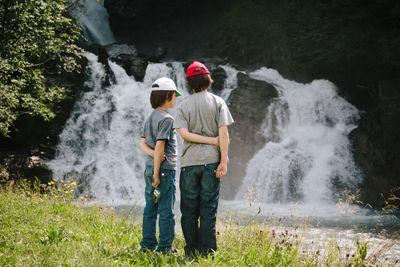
<point x="147" y="150"/>
<point x="158" y="152"/>
<point x="222" y="168"/>
<point x="197" y="138"/>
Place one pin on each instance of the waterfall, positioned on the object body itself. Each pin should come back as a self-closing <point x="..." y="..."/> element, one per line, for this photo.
<point x="306" y="157"/>
<point x="93" y="18"/>
<point x="230" y="82"/>
<point x="98" y="146"/>
<point x="307" y="153"/>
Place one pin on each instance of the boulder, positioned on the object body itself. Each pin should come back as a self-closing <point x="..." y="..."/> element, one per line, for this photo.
<point x="219" y="76"/>
<point x="126" y="56"/>
<point x="248" y="104"/>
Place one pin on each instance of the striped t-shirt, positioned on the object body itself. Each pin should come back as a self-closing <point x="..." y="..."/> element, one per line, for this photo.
<point x="159" y="126"/>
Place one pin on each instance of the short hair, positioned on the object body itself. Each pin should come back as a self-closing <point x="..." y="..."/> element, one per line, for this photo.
<point x="197" y="83"/>
<point x="158" y="98"/>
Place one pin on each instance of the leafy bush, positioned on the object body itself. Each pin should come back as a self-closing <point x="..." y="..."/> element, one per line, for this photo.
<point x="37" y="39"/>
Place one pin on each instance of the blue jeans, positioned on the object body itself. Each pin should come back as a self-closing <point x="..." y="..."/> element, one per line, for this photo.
<point x="199" y="200"/>
<point x="164" y="207"/>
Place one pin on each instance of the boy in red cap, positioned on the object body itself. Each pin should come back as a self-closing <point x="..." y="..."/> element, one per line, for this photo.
<point x="201" y="115"/>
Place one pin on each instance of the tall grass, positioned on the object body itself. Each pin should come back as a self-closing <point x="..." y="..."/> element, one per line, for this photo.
<point x="46" y="226"/>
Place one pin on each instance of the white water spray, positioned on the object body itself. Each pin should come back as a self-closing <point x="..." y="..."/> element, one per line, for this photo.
<point x="230" y="83"/>
<point x="93" y="18"/>
<point x="99" y="144"/>
<point x="308" y="151"/>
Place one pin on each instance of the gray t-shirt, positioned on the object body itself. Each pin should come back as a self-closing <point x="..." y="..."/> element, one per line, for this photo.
<point x="202" y="113"/>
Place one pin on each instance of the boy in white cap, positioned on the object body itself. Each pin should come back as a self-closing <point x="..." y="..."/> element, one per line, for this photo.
<point x="159" y="139"/>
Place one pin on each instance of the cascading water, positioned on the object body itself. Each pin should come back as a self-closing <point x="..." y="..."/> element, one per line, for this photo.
<point x="99" y="144"/>
<point x="307" y="153"/>
<point x="230" y="82"/>
<point x="93" y="18"/>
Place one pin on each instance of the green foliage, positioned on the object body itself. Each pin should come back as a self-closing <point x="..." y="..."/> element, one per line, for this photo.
<point x="361" y="254"/>
<point x="37" y="39"/>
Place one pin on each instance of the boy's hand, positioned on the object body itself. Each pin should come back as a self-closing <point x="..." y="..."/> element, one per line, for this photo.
<point x="156" y="181"/>
<point x="222" y="169"/>
<point x="162" y="157"/>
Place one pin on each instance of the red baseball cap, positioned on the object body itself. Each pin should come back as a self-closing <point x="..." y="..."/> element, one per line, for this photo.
<point x="196" y="68"/>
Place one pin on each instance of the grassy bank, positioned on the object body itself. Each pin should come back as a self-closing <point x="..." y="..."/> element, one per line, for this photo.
<point x="50" y="229"/>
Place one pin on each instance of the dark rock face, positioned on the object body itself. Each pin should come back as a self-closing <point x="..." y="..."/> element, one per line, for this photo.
<point x="127" y="57"/>
<point x="376" y="145"/>
<point x="219" y="76"/>
<point x="248" y="104"/>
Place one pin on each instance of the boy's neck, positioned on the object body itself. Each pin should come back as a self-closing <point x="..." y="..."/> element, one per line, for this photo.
<point x="162" y="108"/>
<point x="202" y="91"/>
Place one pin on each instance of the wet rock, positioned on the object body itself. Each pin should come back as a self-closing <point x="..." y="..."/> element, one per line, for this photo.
<point x="248" y="105"/>
<point x="16" y="165"/>
<point x="137" y="68"/>
<point x="158" y="54"/>
<point x="219" y="76"/>
<point x="127" y="57"/>
<point x="121" y="52"/>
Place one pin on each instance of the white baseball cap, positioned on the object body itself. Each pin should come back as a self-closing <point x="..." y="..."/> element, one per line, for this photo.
<point x="164" y="84"/>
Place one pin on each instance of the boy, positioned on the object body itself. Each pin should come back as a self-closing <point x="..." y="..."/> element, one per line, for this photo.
<point x="159" y="142"/>
<point x="201" y="115"/>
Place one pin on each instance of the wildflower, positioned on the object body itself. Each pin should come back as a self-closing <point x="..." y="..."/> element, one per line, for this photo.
<point x="73" y="183"/>
<point x="347" y="255"/>
<point x="286" y="230"/>
<point x="278" y="246"/>
<point x="261" y="231"/>
<point x="283" y="240"/>
<point x="217" y="232"/>
<point x="273" y="231"/>
<point x="353" y="255"/>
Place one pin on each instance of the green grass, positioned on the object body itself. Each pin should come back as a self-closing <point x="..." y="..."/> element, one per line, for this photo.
<point x="50" y="229"/>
